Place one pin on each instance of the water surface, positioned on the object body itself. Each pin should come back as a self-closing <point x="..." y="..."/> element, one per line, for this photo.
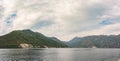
<point x="60" y="54"/>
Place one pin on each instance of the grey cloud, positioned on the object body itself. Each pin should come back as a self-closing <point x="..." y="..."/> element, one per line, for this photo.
<point x="42" y="23"/>
<point x="86" y="18"/>
<point x="95" y="11"/>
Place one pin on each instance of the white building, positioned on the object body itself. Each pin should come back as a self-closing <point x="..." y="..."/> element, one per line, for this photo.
<point x="25" y="45"/>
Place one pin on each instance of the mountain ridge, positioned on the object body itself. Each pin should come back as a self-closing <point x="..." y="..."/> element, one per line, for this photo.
<point x="15" y="38"/>
<point x="98" y="41"/>
<point x="19" y="38"/>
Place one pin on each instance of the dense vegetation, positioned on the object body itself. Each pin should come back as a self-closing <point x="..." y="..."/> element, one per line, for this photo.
<point x="15" y="38"/>
<point x="101" y="41"/>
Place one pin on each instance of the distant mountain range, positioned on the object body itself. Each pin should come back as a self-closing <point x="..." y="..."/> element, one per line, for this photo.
<point x="96" y="41"/>
<point x="30" y="39"/>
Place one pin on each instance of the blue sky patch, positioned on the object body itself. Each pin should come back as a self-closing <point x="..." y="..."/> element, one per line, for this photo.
<point x="106" y="22"/>
<point x="10" y="18"/>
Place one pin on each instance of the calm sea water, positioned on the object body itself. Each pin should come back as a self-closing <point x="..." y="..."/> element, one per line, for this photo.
<point x="60" y="54"/>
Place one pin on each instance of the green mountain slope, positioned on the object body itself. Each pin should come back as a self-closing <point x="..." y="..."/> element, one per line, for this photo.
<point x="15" y="38"/>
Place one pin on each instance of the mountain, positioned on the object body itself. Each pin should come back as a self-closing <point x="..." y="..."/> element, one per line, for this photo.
<point x="28" y="38"/>
<point x="57" y="40"/>
<point x="100" y="41"/>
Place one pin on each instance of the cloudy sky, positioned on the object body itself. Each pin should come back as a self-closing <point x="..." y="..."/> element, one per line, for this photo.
<point x="63" y="19"/>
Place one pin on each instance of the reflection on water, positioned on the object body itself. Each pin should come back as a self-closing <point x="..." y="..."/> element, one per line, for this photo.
<point x="60" y="54"/>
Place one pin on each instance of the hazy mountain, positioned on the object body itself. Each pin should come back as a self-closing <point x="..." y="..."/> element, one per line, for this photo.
<point x="57" y="40"/>
<point x="100" y="41"/>
<point x="15" y="38"/>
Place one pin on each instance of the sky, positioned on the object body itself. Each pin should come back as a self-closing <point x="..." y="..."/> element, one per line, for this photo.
<point x="64" y="19"/>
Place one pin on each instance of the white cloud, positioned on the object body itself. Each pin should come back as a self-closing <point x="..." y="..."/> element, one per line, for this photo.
<point x="108" y="29"/>
<point x="70" y="17"/>
<point x="112" y="29"/>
